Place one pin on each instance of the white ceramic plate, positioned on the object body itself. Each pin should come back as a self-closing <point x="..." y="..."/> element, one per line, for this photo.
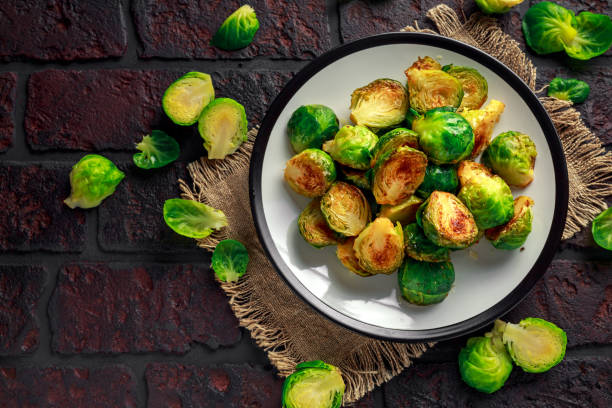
<point x="488" y="282"/>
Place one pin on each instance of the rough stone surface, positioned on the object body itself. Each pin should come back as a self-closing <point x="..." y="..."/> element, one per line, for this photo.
<point x="580" y="382"/>
<point x="20" y="290"/>
<point x="150" y="307"/>
<point x="61" y="29"/>
<point x="227" y="385"/>
<point x="67" y="387"/>
<point x="32" y="213"/>
<point x="288" y="28"/>
<point x="8" y="87"/>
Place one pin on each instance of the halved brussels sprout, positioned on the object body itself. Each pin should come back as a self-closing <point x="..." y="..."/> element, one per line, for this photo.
<point x="310" y="126"/>
<point x="512" y="156"/>
<point x="482" y="122"/>
<point x="569" y="89"/>
<point x="438" y="177"/>
<point x="534" y="344"/>
<point x="223" y="126"/>
<point x="357" y="177"/>
<point x="445" y="136"/>
<point x="602" y="229"/>
<point x="393" y="139"/>
<point x="425" y="283"/>
<point x="313" y="227"/>
<point x="92" y="179"/>
<point x="468" y="169"/>
<point x="238" y="30"/>
<point x="513" y="234"/>
<point x="345" y="209"/>
<point x="186" y="97"/>
<point x="397" y="175"/>
<point x="380" y="104"/>
<point x="310" y="173"/>
<point x="419" y="247"/>
<point x="346" y="255"/>
<point x="475" y="86"/>
<point x="446" y="221"/>
<point x="404" y="212"/>
<point x="380" y="246"/>
<point x="429" y="87"/>
<point x="497" y="6"/>
<point x="313" y="384"/>
<point x="352" y="146"/>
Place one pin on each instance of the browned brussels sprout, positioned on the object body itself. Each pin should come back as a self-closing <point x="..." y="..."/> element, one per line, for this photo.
<point x="314" y="228"/>
<point x="346" y="255"/>
<point x="310" y="172"/>
<point x="429" y="87"/>
<point x="513" y="234"/>
<point x="381" y="104"/>
<point x="475" y="87"/>
<point x="380" y="246"/>
<point x="345" y="209"/>
<point x="404" y="212"/>
<point x="398" y="174"/>
<point x="483" y="121"/>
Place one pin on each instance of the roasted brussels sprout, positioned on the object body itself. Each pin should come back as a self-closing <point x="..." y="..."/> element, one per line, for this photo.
<point x="223" y="126"/>
<point x="393" y="139"/>
<point x="357" y="177"/>
<point x="602" y="229"/>
<point x="445" y="136"/>
<point x="429" y="87"/>
<point x="380" y="246"/>
<point x="352" y="146"/>
<point x="420" y="248"/>
<point x="186" y="97"/>
<point x="229" y="260"/>
<point x="404" y="212"/>
<point x="345" y="209"/>
<point x="346" y="255"/>
<point x="446" y="221"/>
<point x="497" y="6"/>
<point x="482" y="122"/>
<point x="534" y="344"/>
<point x="380" y="104"/>
<point x="425" y="283"/>
<point x="512" y="156"/>
<point x="310" y="172"/>
<point x="438" y="177"/>
<point x="513" y="234"/>
<point x="92" y="179"/>
<point x="569" y="89"/>
<point x="156" y="150"/>
<point x="314" y="228"/>
<point x="238" y="30"/>
<point x="397" y="175"/>
<point x="313" y="384"/>
<point x="192" y="219"/>
<point x="475" y="86"/>
<point x="310" y="126"/>
<point x="468" y="169"/>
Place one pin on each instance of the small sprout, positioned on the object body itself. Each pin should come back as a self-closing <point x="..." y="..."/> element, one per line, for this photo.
<point x="313" y="384"/>
<point x="357" y="177"/>
<point x="446" y="137"/>
<point x="425" y="283"/>
<point x="310" y="126"/>
<point x="238" y="30"/>
<point x="186" y="97"/>
<point x="512" y="156"/>
<point x="429" y="87"/>
<point x="223" y="126"/>
<point x="420" y="248"/>
<point x="229" y="260"/>
<point x="157" y="150"/>
<point x="569" y="89"/>
<point x="380" y="104"/>
<point x="310" y="172"/>
<point x="92" y="179"/>
<point x="390" y="141"/>
<point x="602" y="229"/>
<point x="513" y="234"/>
<point x="441" y="177"/>
<point x="475" y="86"/>
<point x="404" y="212"/>
<point x="397" y="174"/>
<point x="482" y="122"/>
<point x="352" y="146"/>
<point x="380" y="246"/>
<point x="192" y="219"/>
<point x="346" y="255"/>
<point x="345" y="209"/>
<point x="314" y="228"/>
<point x="497" y="6"/>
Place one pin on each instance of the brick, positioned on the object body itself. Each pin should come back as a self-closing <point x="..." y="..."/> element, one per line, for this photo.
<point x="580" y="382"/>
<point x="8" y="87"/>
<point x="111" y="109"/>
<point x="296" y="29"/>
<point x="227" y="385"/>
<point x="32" y="213"/>
<point x="20" y="291"/>
<point x="61" y="30"/>
<point x="118" y="308"/>
<point x="68" y="387"/>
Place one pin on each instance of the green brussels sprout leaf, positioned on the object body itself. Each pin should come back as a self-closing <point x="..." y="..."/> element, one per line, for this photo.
<point x="310" y="172"/>
<point x="223" y="126"/>
<point x="593" y="37"/>
<point x="310" y="126"/>
<point x="497" y="6"/>
<point x="186" y="97"/>
<point x="157" y="150"/>
<point x="425" y="283"/>
<point x="191" y="218"/>
<point x="238" y="30"/>
<point x="569" y="89"/>
<point x="229" y="260"/>
<point x="313" y="384"/>
<point x="602" y="229"/>
<point x="92" y="179"/>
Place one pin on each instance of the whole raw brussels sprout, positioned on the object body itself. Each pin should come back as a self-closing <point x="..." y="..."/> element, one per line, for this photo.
<point x="346" y="255"/>
<point x="420" y="248"/>
<point x="446" y="221"/>
<point x="345" y="209"/>
<point x="429" y="87"/>
<point x="497" y="6"/>
<point x="223" y="126"/>
<point x="482" y="122"/>
<point x="446" y="137"/>
<point x="425" y="283"/>
<point x="357" y="177"/>
<point x="313" y="227"/>
<point x="569" y="89"/>
<point x="186" y="98"/>
<point x="512" y="156"/>
<point x="380" y="104"/>
<point x="404" y="212"/>
<point x="352" y="146"/>
<point x="602" y="229"/>
<point x="440" y="177"/>
<point x="380" y="246"/>
<point x="475" y="86"/>
<point x="92" y="179"/>
<point x="238" y="30"/>
<point x="310" y="126"/>
<point x="393" y="139"/>
<point x="313" y="384"/>
<point x="397" y="175"/>
<point x="513" y="234"/>
<point x="310" y="172"/>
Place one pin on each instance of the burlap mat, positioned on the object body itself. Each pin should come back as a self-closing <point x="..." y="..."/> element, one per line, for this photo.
<point x="289" y="330"/>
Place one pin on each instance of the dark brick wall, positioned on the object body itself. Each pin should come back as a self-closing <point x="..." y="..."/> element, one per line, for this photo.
<point x="108" y="307"/>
